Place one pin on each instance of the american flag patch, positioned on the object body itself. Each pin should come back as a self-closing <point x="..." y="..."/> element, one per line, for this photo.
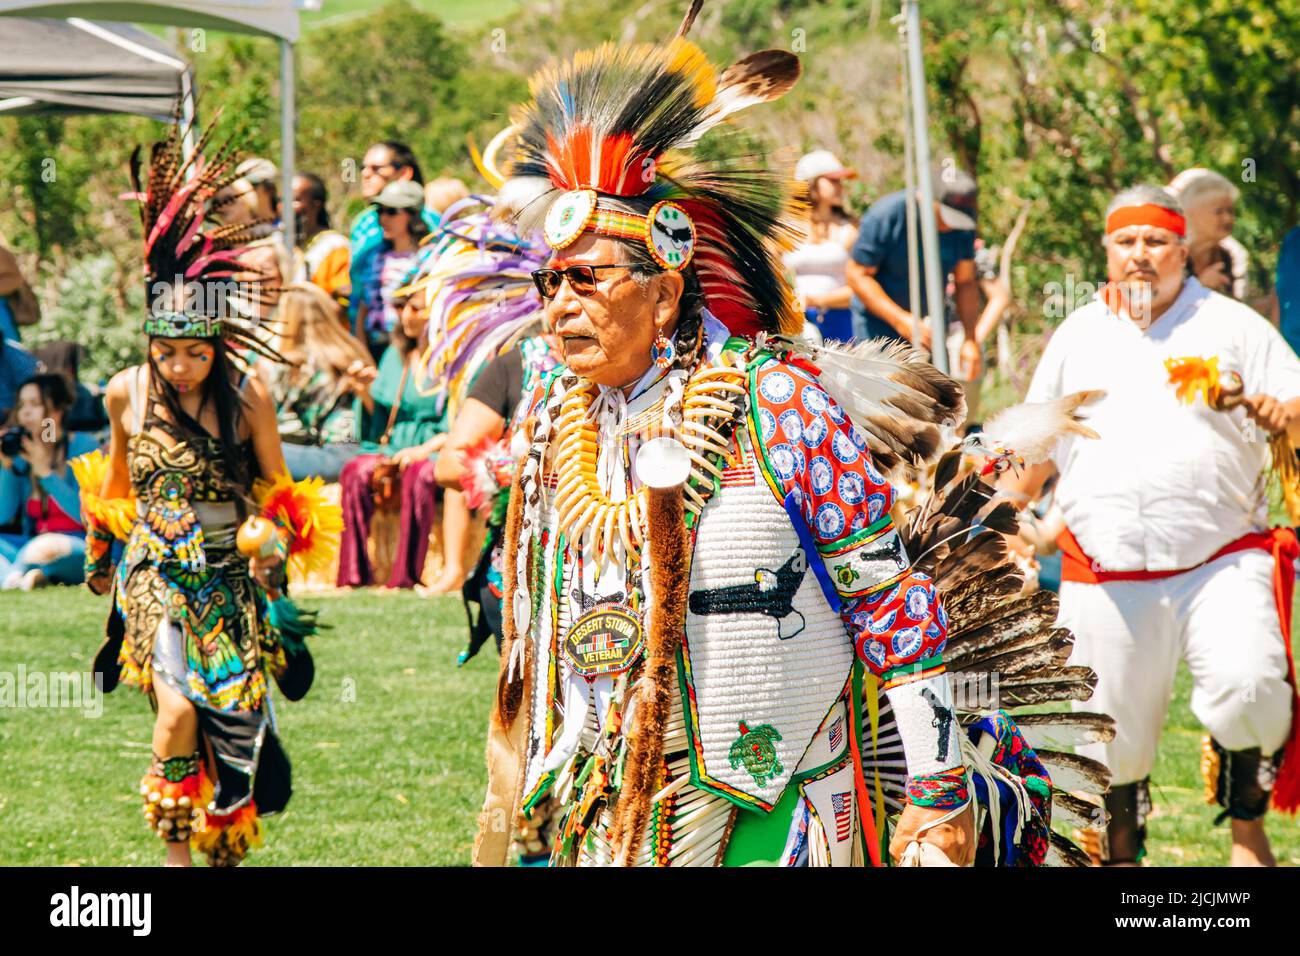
<point x="843" y="810"/>
<point x="836" y="734"/>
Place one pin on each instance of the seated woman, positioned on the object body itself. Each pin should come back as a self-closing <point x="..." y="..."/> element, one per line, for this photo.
<point x="314" y="396"/>
<point x="401" y="426"/>
<point x="35" y="480"/>
<point x="469" y="458"/>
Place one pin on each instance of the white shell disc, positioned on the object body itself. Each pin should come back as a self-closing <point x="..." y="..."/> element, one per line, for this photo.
<point x="662" y="463"/>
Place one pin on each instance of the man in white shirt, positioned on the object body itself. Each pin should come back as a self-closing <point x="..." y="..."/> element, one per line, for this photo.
<point x="1167" y="551"/>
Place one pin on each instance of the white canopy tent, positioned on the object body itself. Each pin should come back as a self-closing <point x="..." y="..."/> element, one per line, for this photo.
<point x="277" y="19"/>
<point x="76" y="66"/>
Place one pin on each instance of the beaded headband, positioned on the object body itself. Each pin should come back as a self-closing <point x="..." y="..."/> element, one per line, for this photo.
<point x="177" y="325"/>
<point x="666" y="230"/>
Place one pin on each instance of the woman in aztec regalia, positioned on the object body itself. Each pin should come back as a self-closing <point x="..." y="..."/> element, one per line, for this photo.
<point x="195" y="486"/>
<point x="718" y="649"/>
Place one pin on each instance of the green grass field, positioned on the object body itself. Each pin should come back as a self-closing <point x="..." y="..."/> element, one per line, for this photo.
<point x="387" y="749"/>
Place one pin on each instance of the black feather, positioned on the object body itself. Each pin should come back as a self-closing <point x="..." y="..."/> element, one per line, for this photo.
<point x="946" y="468"/>
<point x="1070" y="854"/>
<point x="1068" y="683"/>
<point x="1068" y="808"/>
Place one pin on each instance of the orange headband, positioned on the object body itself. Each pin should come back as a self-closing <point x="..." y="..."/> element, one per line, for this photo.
<point x="1146" y="215"/>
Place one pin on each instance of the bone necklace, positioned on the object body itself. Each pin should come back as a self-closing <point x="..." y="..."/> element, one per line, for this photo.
<point x="583" y="508"/>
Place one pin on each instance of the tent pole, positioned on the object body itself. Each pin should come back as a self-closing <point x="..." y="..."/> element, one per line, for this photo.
<point x="929" y="228"/>
<point x="909" y="177"/>
<point x="287" y="157"/>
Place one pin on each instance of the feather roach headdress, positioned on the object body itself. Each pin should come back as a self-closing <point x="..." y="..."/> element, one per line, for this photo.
<point x="605" y="147"/>
<point x="195" y="284"/>
<point x="477" y="280"/>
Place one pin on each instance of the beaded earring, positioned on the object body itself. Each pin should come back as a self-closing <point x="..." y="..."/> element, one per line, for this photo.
<point x="662" y="351"/>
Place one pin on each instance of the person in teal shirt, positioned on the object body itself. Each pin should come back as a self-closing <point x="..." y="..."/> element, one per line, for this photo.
<point x="383" y="163"/>
<point x="397" y="424"/>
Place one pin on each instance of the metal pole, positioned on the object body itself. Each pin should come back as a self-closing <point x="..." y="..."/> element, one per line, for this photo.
<point x="909" y="176"/>
<point x="929" y="229"/>
<point x="287" y="157"/>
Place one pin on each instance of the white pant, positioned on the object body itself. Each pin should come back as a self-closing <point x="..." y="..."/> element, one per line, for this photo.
<point x="1221" y="618"/>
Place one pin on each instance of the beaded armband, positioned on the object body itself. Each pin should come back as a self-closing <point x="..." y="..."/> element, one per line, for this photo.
<point x="945" y="790"/>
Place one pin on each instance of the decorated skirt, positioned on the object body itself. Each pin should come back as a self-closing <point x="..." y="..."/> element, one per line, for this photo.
<point x="186" y="613"/>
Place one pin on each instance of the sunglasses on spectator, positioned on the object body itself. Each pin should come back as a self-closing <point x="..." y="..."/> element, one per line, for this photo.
<point x="582" y="279"/>
<point x="373" y="168"/>
<point x="391" y="210"/>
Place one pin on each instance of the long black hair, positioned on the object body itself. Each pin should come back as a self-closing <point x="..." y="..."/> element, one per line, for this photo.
<point x="219" y="389"/>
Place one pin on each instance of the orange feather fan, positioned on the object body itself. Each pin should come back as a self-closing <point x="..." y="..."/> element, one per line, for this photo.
<point x="115" y="514"/>
<point x="313" y="523"/>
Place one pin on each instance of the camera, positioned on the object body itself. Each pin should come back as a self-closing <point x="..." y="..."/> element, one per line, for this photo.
<point x="11" y="443"/>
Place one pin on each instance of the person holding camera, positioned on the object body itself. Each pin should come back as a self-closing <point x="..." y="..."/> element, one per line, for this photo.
<point x="402" y="432"/>
<point x="37" y="488"/>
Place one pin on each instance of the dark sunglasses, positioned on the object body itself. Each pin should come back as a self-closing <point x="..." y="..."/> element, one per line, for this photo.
<point x="582" y="279"/>
<point x="390" y="210"/>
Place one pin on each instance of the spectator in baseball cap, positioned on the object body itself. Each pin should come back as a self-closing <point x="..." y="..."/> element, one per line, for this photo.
<point x="398" y="207"/>
<point x="877" y="267"/>
<point x="818" y="262"/>
<point x="384" y="163"/>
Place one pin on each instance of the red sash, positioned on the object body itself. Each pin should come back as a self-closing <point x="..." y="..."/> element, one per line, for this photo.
<point x="1282" y="544"/>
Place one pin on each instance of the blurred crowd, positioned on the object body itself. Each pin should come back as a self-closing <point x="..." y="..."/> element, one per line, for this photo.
<point x="351" y="412"/>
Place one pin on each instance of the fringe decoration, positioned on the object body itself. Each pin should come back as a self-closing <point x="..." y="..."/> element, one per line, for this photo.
<point x="227" y="838"/>
<point x="510" y="691"/>
<point x="506" y="762"/>
<point x="116" y="514"/>
<point x="294" y="623"/>
<point x="669" y="550"/>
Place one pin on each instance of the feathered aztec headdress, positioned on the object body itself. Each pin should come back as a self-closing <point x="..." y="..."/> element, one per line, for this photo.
<point x="604" y="147"/>
<point x="195" y="284"/>
<point x="477" y="279"/>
